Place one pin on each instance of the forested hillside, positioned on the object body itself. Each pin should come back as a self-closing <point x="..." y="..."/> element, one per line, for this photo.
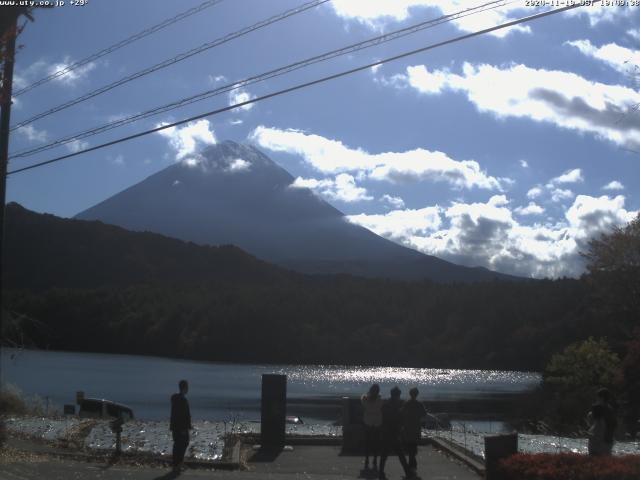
<point x="84" y="286"/>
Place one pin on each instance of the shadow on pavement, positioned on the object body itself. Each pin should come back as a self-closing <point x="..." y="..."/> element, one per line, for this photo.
<point x="169" y="476"/>
<point x="265" y="455"/>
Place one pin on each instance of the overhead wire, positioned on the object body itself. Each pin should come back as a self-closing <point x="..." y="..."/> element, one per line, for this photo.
<point x="378" y="40"/>
<point x="301" y="86"/>
<point x="116" y="46"/>
<point x="171" y="61"/>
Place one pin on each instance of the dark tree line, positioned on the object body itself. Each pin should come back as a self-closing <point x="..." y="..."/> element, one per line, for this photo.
<point x="85" y="286"/>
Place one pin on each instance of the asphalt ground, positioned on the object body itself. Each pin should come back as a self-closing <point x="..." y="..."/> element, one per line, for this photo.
<point x="300" y="462"/>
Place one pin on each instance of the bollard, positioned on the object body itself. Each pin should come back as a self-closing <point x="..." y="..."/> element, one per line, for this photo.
<point x="496" y="448"/>
<point x="273" y="411"/>
<point x="116" y="427"/>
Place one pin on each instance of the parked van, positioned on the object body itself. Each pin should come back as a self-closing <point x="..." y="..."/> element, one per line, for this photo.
<point x="100" y="408"/>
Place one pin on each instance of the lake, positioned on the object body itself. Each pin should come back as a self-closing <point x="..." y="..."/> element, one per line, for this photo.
<point x="224" y="391"/>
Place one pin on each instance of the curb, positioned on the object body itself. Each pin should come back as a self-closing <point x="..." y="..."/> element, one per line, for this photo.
<point x="458" y="453"/>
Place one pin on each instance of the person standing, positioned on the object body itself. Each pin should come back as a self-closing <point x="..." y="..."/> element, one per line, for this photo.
<point x="391" y="430"/>
<point x="596" y="444"/>
<point x="413" y="413"/>
<point x="180" y="423"/>
<point x="610" y="411"/>
<point x="372" y="417"/>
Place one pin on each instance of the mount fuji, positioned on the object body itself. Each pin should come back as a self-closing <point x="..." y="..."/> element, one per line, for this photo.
<point x="235" y="194"/>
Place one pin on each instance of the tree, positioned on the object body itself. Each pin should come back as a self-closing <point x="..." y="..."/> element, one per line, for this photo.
<point x="613" y="265"/>
<point x="571" y="379"/>
<point x="583" y="366"/>
<point x="630" y="383"/>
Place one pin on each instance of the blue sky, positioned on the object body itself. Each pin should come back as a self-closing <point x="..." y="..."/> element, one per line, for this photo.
<point x="508" y="151"/>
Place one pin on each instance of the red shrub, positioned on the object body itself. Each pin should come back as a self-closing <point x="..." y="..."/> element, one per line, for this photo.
<point x="570" y="466"/>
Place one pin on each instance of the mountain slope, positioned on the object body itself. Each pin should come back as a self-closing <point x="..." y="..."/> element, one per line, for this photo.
<point x="43" y="251"/>
<point x="237" y="195"/>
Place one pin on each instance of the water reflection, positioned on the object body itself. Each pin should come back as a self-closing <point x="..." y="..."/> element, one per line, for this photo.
<point x="480" y="379"/>
<point x="219" y="390"/>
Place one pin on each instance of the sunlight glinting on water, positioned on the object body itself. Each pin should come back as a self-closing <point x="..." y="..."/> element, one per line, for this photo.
<point x="422" y="376"/>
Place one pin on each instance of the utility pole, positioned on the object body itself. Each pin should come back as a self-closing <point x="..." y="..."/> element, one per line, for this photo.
<point x="10" y="32"/>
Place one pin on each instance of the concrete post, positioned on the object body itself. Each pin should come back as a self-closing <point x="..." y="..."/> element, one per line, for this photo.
<point x="496" y="448"/>
<point x="273" y="411"/>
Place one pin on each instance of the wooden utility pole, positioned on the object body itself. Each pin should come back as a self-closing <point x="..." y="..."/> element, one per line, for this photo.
<point x="10" y="33"/>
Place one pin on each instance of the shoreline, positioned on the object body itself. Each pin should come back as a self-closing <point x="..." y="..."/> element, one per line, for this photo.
<point x="443" y="369"/>
<point x="208" y="438"/>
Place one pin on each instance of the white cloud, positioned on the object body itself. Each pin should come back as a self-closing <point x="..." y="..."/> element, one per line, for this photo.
<point x="397" y="81"/>
<point x="597" y="12"/>
<point x="524" y="164"/>
<point x="240" y="96"/>
<point x="555" y="187"/>
<point x="401" y="224"/>
<point x="32" y="134"/>
<point x="77" y="145"/>
<point x="570" y="176"/>
<point x="72" y="77"/>
<point x="487" y="234"/>
<point x="531" y="209"/>
<point x="617" y="57"/>
<point x="213" y="79"/>
<point x="191" y="162"/>
<point x="236" y="121"/>
<point x="24" y="76"/>
<point x="613" y="185"/>
<point x="395" y="202"/>
<point x="590" y="215"/>
<point x="342" y="188"/>
<point x="551" y="96"/>
<point x="375" y="13"/>
<point x="185" y="140"/>
<point x="332" y="156"/>
<point x="535" y="192"/>
<point x="560" y="194"/>
<point x="238" y="165"/>
<point x="634" y="33"/>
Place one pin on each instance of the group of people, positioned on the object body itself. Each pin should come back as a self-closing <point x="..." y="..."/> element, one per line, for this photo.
<point x="603" y="423"/>
<point x="392" y="427"/>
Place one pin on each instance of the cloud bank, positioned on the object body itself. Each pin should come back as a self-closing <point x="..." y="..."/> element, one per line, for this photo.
<point x="561" y="98"/>
<point x="332" y="156"/>
<point x="487" y="234"/>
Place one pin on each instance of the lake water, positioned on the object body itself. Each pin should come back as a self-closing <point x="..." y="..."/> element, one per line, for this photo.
<point x="224" y="391"/>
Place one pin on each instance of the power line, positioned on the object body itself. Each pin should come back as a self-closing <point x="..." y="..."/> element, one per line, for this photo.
<point x="303" y="85"/>
<point x="116" y="46"/>
<point x="171" y="61"/>
<point x="265" y="76"/>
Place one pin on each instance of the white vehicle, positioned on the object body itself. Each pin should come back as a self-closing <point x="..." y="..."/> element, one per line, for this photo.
<point x="100" y="408"/>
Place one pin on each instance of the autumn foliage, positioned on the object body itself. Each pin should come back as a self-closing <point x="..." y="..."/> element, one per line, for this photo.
<point x="569" y="466"/>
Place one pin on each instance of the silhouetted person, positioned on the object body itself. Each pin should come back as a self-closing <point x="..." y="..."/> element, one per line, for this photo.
<point x="391" y="431"/>
<point x="180" y="424"/>
<point x="372" y="417"/>
<point x="605" y="399"/>
<point x="413" y="413"/>
<point x="597" y="445"/>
